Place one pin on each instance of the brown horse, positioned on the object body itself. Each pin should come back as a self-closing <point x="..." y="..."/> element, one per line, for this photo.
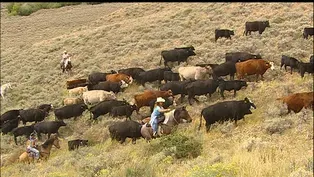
<point x="44" y="150"/>
<point x="172" y="119"/>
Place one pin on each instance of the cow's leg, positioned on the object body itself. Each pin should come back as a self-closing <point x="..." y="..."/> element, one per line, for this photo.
<point x="181" y="98"/>
<point x="285" y="68"/>
<point x="222" y="94"/>
<point x="291" y="70"/>
<point x="133" y="140"/>
<point x="207" y="127"/>
<point x="49" y="135"/>
<point x="189" y="99"/>
<point x="196" y="99"/>
<point x="39" y="135"/>
<point x="234" y="93"/>
<point x="256" y="77"/>
<point x="15" y="140"/>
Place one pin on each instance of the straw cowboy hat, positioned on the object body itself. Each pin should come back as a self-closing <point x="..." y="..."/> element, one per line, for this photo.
<point x="159" y="99"/>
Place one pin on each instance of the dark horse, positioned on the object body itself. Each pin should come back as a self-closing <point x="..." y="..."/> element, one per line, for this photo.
<point x="66" y="68"/>
<point x="44" y="150"/>
<point x="172" y="119"/>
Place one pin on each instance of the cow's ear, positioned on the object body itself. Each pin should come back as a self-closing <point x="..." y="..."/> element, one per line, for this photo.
<point x="246" y="100"/>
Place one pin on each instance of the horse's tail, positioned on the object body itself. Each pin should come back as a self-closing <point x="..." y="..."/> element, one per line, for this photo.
<point x="199" y="128"/>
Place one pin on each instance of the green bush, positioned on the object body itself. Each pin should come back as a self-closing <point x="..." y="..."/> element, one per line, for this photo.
<point x="179" y="145"/>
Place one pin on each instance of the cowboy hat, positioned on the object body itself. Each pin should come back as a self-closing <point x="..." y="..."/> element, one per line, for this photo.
<point x="65" y="51"/>
<point x="159" y="99"/>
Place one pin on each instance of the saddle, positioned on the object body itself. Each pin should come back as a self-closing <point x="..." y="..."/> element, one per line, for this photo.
<point x="160" y="119"/>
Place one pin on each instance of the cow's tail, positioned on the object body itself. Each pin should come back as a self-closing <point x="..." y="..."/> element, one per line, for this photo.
<point x="199" y="128"/>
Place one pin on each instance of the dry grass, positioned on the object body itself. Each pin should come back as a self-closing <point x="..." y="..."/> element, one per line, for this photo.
<point x="113" y="36"/>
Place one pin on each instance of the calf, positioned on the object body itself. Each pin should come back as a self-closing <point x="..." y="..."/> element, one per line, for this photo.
<point x="9" y="115"/>
<point x="152" y="75"/>
<point x="48" y="127"/>
<point x="133" y="72"/>
<point x="115" y="87"/>
<point x="224" y="69"/>
<point x="241" y="56"/>
<point x="96" y="96"/>
<point x="10" y="125"/>
<point x="234" y="110"/>
<point x="293" y="63"/>
<point x="125" y="110"/>
<point x="19" y="131"/>
<point x="70" y="111"/>
<point x="177" y="87"/>
<point x="306" y="67"/>
<point x="251" y="67"/>
<point x="96" y="77"/>
<point x="126" y="129"/>
<point x="105" y="107"/>
<point x="74" y="144"/>
<point x="179" y="55"/>
<point x="223" y="33"/>
<point x="78" y="91"/>
<point x="194" y="72"/>
<point x="119" y="77"/>
<point x="259" y="26"/>
<point x="297" y="101"/>
<point x="201" y="87"/>
<point x="308" y="32"/>
<point x="235" y="85"/>
<point x="30" y="115"/>
<point x="171" y="76"/>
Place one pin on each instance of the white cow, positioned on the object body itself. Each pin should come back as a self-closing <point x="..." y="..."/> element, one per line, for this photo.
<point x="4" y="88"/>
<point x="95" y="96"/>
<point x="77" y="91"/>
<point x="194" y="72"/>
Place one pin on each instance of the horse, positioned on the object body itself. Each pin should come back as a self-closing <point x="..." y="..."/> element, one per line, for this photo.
<point x="172" y="119"/>
<point x="66" y="65"/>
<point x="5" y="87"/>
<point x="44" y="150"/>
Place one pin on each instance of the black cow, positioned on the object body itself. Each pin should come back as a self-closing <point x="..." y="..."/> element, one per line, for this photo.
<point x="289" y="61"/>
<point x="152" y="75"/>
<point x="48" y="127"/>
<point x="19" y="131"/>
<point x="96" y="77"/>
<point x="74" y="144"/>
<point x="33" y="114"/>
<point x="9" y="115"/>
<point x="234" y="85"/>
<point x="125" y="110"/>
<point x="133" y="72"/>
<point x="177" y="87"/>
<point x="171" y="76"/>
<point x="108" y="86"/>
<point x="66" y="112"/>
<point x="312" y="59"/>
<point x="234" y="110"/>
<point x="223" y="33"/>
<point x="45" y="107"/>
<point x="105" y="107"/>
<point x="179" y="55"/>
<point x="168" y="102"/>
<point x="308" y="32"/>
<point x="226" y="68"/>
<point x="241" y="56"/>
<point x="201" y="87"/>
<point x="259" y="26"/>
<point x="8" y="126"/>
<point x="126" y="129"/>
<point x="305" y="67"/>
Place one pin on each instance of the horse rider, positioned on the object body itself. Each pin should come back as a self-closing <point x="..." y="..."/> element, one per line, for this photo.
<point x="32" y="145"/>
<point x="65" y="58"/>
<point x="157" y="115"/>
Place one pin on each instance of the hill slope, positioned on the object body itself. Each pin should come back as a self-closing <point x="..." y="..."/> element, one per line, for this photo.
<point x="113" y="36"/>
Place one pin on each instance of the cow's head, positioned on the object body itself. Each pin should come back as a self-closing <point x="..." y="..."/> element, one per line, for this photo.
<point x="270" y="64"/>
<point x="83" y="106"/>
<point x="61" y="123"/>
<point x="231" y="32"/>
<point x="190" y="52"/>
<point x="243" y="83"/>
<point x="123" y="84"/>
<point x="250" y="103"/>
<point x="113" y="72"/>
<point x="169" y="92"/>
<point x="266" y="23"/>
<point x="112" y="96"/>
<point x="83" y="142"/>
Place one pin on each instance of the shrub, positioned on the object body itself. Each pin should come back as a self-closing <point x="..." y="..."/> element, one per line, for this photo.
<point x="179" y="145"/>
<point x="216" y="170"/>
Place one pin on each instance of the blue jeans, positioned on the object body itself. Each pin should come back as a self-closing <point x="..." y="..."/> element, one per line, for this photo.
<point x="154" y="124"/>
<point x="35" y="151"/>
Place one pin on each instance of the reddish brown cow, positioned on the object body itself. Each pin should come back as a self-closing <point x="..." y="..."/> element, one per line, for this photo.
<point x="76" y="83"/>
<point x="297" y="101"/>
<point x="253" y="66"/>
<point x="149" y="95"/>
<point x="118" y="77"/>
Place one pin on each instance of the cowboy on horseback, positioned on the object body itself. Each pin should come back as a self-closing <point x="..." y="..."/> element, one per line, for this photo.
<point x="32" y="145"/>
<point x="158" y="115"/>
<point x="65" y="58"/>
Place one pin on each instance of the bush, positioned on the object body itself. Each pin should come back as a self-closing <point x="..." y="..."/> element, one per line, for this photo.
<point x="216" y="170"/>
<point x="179" y="145"/>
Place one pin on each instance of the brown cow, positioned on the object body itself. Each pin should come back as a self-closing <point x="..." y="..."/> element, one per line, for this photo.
<point x="297" y="101"/>
<point x="118" y="77"/>
<point x="76" y="83"/>
<point x="253" y="66"/>
<point x="149" y="95"/>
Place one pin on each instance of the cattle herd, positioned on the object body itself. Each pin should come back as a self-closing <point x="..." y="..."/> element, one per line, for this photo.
<point x="97" y="93"/>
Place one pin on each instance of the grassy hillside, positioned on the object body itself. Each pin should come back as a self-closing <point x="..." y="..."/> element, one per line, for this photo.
<point x="113" y="36"/>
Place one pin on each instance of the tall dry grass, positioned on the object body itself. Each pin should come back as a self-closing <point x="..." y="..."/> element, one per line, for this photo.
<point x="113" y="36"/>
